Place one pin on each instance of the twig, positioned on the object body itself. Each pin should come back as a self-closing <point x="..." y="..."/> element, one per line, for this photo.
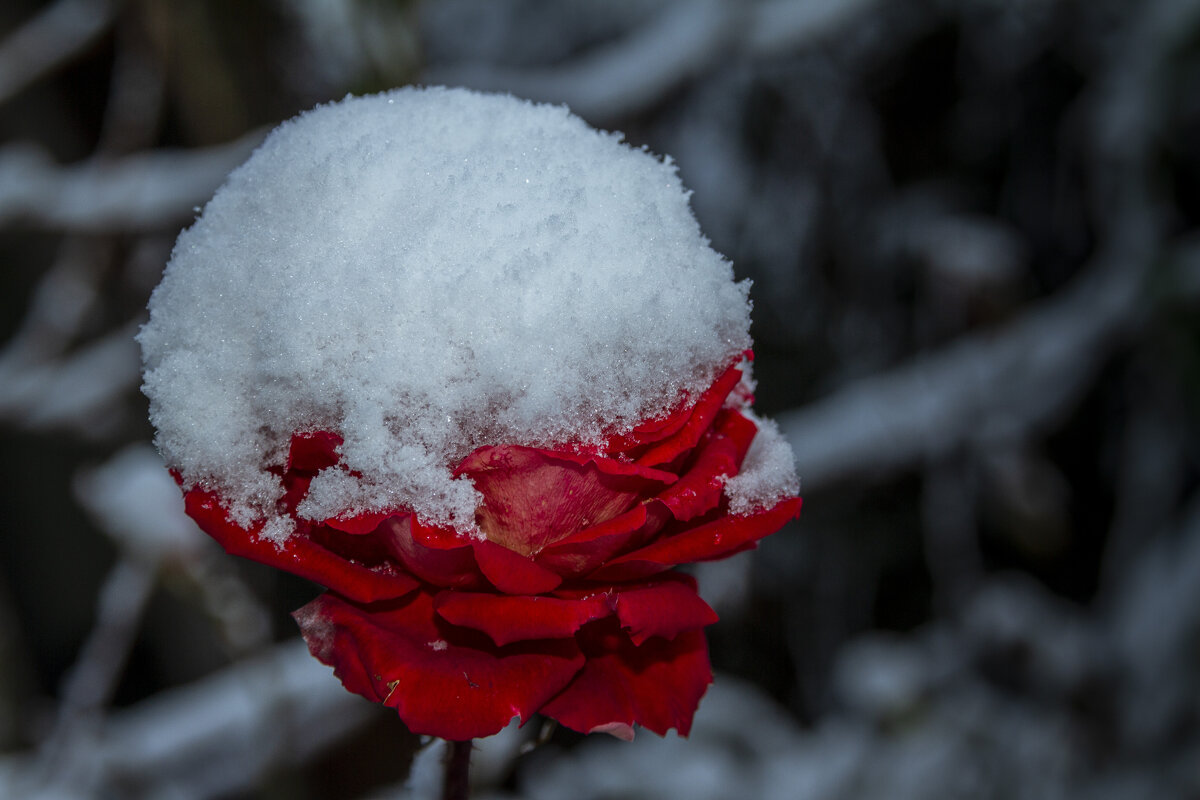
<point x="149" y="190"/>
<point x="77" y="392"/>
<point x="639" y="70"/>
<point x="1004" y="385"/>
<point x="92" y="680"/>
<point x="51" y="39"/>
<point x="621" y="78"/>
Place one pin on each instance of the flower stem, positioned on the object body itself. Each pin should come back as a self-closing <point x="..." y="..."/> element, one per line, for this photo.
<point x="458" y="764"/>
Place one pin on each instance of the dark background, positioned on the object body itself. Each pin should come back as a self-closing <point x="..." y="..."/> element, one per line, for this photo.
<point x="971" y="228"/>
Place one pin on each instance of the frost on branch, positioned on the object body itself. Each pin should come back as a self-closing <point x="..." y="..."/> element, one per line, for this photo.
<point x="425" y="272"/>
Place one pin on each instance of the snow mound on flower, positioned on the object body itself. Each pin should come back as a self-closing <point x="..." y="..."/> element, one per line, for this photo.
<point x="768" y="473"/>
<point x="425" y="272"/>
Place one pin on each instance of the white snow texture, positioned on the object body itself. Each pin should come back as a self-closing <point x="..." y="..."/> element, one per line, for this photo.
<point x="426" y="271"/>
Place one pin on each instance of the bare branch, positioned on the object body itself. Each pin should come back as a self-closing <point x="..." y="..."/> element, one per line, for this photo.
<point x="1005" y="384"/>
<point x="621" y="78"/>
<point x="687" y="38"/>
<point x="74" y="392"/>
<point x="149" y="190"/>
<point x="50" y="40"/>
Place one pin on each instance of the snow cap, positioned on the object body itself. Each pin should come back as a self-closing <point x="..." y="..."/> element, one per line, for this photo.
<point x="424" y="272"/>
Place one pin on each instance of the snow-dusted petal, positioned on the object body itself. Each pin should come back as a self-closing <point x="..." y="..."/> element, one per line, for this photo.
<point x="299" y="554"/>
<point x="702" y="415"/>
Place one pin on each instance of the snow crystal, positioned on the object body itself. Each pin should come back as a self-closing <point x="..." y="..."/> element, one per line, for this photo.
<point x="427" y="271"/>
<point x="768" y="474"/>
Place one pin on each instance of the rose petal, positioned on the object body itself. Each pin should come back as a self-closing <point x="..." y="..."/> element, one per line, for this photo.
<point x="534" y="497"/>
<point x="511" y="572"/>
<point x="583" y="551"/>
<point x="713" y="540"/>
<point x="312" y="451"/>
<point x="507" y="618"/>
<point x="657" y="685"/>
<point x="298" y="554"/>
<point x="660" y="428"/>
<point x="443" y="681"/>
<point x="705" y="410"/>
<point x="699" y="489"/>
<point x="736" y="428"/>
<point x="441" y="564"/>
<point x="649" y="432"/>
<point x="664" y="609"/>
<point x="362" y="523"/>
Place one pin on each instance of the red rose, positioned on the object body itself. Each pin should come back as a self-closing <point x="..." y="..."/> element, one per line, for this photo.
<point x="567" y="606"/>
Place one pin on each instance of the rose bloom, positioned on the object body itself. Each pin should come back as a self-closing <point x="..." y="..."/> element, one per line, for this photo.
<point x="567" y="604"/>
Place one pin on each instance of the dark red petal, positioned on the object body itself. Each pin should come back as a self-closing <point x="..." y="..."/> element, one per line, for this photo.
<point x="657" y="685"/>
<point x="736" y="428"/>
<point x="313" y="450"/>
<point x="657" y="429"/>
<point x="297" y="554"/>
<point x="705" y="410"/>
<point x="651" y="431"/>
<point x="362" y="523"/>
<point x="699" y="488"/>
<point x="507" y="618"/>
<point x="436" y="538"/>
<point x="428" y="554"/>
<point x="717" y="539"/>
<point x="513" y="573"/>
<point x="583" y="551"/>
<point x="663" y="609"/>
<point x="534" y="497"/>
<point x="443" y="681"/>
<point x="295" y="488"/>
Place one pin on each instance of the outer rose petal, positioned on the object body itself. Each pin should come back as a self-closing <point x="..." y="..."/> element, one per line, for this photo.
<point x="736" y="428"/>
<point x="713" y="540"/>
<point x="509" y="618"/>
<point x="533" y="497"/>
<point x="443" y="681"/>
<point x="298" y="554"/>
<point x="703" y="412"/>
<point x="665" y="609"/>
<point x="699" y="489"/>
<point x="657" y="685"/>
